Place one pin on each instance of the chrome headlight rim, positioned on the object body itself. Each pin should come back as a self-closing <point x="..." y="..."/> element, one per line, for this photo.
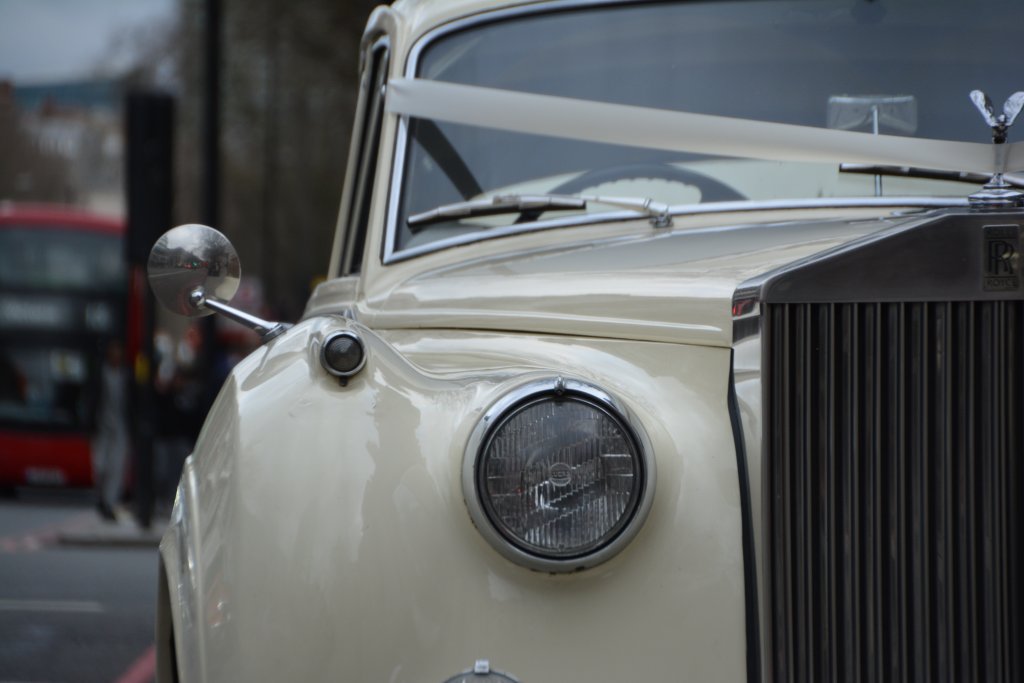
<point x="510" y="403"/>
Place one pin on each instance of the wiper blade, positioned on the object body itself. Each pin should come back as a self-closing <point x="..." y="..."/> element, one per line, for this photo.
<point x="536" y="205"/>
<point x="498" y="204"/>
<point x="929" y="173"/>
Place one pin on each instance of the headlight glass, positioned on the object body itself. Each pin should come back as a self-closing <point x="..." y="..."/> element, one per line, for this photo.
<point x="560" y="475"/>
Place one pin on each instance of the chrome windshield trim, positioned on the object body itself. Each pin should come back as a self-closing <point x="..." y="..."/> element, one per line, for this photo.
<point x="488" y="17"/>
<point x="391" y="256"/>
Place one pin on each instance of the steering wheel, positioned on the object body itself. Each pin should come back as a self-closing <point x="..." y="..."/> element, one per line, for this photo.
<point x="711" y="190"/>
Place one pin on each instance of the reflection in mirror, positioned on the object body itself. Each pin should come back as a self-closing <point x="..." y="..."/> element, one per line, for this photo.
<point x="192" y="257"/>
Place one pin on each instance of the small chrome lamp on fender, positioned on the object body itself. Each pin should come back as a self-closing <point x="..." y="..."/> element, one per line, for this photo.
<point x="557" y="476"/>
<point x="343" y="355"/>
<point x="194" y="270"/>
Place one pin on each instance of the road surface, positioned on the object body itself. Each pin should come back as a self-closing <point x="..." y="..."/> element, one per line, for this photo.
<point x="67" y="612"/>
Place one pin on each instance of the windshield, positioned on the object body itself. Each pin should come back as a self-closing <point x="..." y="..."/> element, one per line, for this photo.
<point x="896" y="68"/>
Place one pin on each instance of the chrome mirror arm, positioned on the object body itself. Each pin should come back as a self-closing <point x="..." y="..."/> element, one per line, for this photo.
<point x="266" y="329"/>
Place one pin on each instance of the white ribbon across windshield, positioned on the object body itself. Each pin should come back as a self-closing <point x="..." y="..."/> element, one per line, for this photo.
<point x="664" y="129"/>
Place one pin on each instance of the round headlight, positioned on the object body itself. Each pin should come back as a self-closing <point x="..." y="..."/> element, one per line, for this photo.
<point x="560" y="478"/>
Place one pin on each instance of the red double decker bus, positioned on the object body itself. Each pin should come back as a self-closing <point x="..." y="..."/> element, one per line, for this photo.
<point x="63" y="290"/>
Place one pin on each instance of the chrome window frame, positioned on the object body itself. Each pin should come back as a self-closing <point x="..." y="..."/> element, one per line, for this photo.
<point x="358" y="185"/>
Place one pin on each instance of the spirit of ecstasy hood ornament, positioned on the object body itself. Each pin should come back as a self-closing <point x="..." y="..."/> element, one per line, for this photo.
<point x="1000" y="124"/>
<point x="997" y="193"/>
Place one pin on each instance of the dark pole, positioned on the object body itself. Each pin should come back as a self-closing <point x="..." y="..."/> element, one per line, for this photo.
<point x="268" y="246"/>
<point x="211" y="114"/>
<point x="149" y="172"/>
<point x="210" y="179"/>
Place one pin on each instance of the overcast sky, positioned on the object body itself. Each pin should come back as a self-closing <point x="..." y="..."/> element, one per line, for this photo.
<point x="43" y="41"/>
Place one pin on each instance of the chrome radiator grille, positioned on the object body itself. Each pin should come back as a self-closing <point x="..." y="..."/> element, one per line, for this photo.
<point x="894" y="491"/>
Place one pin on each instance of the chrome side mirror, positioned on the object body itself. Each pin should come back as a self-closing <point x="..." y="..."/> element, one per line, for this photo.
<point x="194" y="271"/>
<point x="193" y="258"/>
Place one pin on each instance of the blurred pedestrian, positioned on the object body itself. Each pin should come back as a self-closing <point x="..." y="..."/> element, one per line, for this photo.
<point x="110" y="442"/>
<point x="178" y="396"/>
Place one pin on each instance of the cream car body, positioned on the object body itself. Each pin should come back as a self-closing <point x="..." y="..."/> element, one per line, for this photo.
<point x="321" y="530"/>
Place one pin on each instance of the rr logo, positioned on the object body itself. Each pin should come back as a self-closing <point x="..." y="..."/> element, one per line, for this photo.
<point x="1002" y="248"/>
<point x="999" y="255"/>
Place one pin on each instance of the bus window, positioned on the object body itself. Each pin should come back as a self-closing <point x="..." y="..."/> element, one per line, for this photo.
<point x="62" y="298"/>
<point x="60" y="257"/>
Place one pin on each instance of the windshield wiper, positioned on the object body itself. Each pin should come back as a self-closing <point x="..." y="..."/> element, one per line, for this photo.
<point x="535" y="205"/>
<point x="929" y="173"/>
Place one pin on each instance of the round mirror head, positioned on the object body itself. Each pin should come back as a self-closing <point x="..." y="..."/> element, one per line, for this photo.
<point x="191" y="257"/>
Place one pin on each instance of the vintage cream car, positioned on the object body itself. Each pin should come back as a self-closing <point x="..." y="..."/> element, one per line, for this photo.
<point x="673" y="341"/>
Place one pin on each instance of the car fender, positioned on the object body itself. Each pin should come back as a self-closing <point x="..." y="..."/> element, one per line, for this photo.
<point x="310" y="500"/>
<point x="179" y="553"/>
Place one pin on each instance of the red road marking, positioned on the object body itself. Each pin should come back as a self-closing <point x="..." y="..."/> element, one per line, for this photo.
<point x="142" y="670"/>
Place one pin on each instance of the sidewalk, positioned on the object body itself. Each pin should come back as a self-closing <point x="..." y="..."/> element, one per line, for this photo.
<point x="123" y="532"/>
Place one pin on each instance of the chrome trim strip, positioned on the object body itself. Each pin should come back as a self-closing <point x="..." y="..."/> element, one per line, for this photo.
<point x="747" y="392"/>
<point x="751" y="601"/>
<point x="542" y="387"/>
<point x="820" y="203"/>
<point x="391" y="256"/>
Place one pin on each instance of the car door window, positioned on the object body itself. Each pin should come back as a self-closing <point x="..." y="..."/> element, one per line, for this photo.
<point x="363" y="164"/>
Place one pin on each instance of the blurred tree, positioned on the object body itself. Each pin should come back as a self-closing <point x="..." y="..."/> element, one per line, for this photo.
<point x="28" y="172"/>
<point x="289" y="84"/>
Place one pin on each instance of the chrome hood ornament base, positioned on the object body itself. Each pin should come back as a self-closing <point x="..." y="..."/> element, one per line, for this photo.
<point x="997" y="193"/>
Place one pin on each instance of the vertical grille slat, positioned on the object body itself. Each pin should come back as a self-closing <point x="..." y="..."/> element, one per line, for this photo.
<point x="917" y="451"/>
<point x="822" y="550"/>
<point x="944" y="407"/>
<point x="872" y="485"/>
<point x="1016" y="503"/>
<point x="848" y="453"/>
<point x="893" y="455"/>
<point x="990" y="447"/>
<point x="801" y="482"/>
